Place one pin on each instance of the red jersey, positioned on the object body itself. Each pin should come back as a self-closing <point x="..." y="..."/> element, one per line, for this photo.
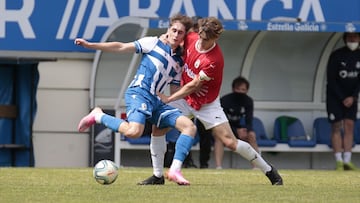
<point x="208" y="64"/>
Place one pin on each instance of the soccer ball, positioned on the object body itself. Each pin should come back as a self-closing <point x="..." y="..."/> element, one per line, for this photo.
<point x="105" y="172"/>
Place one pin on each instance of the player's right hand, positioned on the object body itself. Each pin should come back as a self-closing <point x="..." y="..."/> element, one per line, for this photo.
<point x="79" y="41"/>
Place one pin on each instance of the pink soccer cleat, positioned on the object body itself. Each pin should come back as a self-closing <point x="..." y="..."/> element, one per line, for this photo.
<point x="177" y="177"/>
<point x="88" y="120"/>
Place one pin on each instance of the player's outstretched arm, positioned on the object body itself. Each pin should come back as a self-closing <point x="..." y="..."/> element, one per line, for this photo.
<point x="107" y="46"/>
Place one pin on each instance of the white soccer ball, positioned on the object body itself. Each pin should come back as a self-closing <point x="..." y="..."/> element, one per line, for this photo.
<point x="105" y="172"/>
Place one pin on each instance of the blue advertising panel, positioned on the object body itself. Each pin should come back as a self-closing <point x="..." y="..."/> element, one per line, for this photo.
<point x="52" y="25"/>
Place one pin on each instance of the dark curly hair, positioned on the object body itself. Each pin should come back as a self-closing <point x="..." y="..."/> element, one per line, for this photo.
<point x="210" y="28"/>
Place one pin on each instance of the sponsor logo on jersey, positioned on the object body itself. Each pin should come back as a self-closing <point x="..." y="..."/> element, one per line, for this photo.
<point x="348" y="74"/>
<point x="188" y="71"/>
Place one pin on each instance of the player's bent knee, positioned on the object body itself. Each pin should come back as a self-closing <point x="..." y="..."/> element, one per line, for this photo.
<point x="133" y="133"/>
<point x="192" y="129"/>
<point x="231" y="144"/>
<point x="188" y="129"/>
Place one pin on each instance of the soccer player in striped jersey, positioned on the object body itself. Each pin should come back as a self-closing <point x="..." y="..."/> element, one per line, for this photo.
<point x="161" y="65"/>
<point x="199" y="97"/>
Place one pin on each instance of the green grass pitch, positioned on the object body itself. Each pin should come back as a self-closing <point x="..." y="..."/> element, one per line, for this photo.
<point x="207" y="185"/>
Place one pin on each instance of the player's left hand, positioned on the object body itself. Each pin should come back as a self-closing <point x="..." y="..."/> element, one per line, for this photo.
<point x="164" y="38"/>
<point x="202" y="91"/>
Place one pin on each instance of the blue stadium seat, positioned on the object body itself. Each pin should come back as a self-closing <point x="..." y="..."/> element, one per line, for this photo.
<point x="298" y="137"/>
<point x="143" y="140"/>
<point x="172" y="135"/>
<point x="357" y="132"/>
<point x="261" y="136"/>
<point x="145" y="137"/>
<point x="291" y="130"/>
<point x="322" y="131"/>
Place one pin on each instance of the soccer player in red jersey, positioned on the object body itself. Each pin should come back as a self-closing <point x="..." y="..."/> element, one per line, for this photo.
<point x="199" y="97"/>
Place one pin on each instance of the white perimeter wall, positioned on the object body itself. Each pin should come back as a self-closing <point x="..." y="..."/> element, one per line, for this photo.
<point x="62" y="100"/>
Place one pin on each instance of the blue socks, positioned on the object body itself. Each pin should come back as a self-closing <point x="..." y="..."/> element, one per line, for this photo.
<point x="111" y="122"/>
<point x="183" y="146"/>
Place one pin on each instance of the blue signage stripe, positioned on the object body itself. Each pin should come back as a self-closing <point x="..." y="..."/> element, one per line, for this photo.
<point x="24" y="28"/>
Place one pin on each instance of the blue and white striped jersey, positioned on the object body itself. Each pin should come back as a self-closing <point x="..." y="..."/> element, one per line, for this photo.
<point x="159" y="66"/>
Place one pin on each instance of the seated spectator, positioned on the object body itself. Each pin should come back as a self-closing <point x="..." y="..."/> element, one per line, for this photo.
<point x="238" y="105"/>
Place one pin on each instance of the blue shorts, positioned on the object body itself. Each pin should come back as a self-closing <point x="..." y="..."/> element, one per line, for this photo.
<point x="141" y="105"/>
